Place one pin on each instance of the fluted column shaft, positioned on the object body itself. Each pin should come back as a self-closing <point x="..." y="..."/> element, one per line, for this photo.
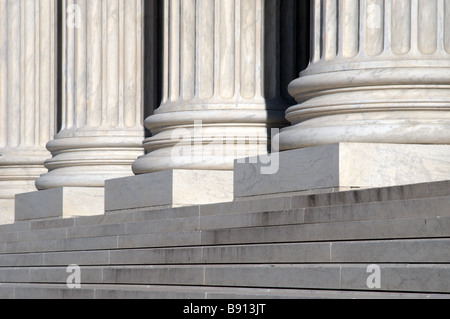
<point x="379" y="73"/>
<point x="221" y="70"/>
<point x="102" y="105"/>
<point x="27" y="91"/>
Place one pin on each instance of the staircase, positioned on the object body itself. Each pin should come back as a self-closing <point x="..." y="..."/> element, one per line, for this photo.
<point x="284" y="246"/>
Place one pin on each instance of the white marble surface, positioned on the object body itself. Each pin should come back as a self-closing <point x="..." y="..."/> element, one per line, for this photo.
<point x="383" y="78"/>
<point x="346" y="165"/>
<point x="169" y="188"/>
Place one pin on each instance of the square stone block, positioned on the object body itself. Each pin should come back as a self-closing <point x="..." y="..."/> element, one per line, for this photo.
<point x="60" y="203"/>
<point x="173" y="188"/>
<point x="342" y="166"/>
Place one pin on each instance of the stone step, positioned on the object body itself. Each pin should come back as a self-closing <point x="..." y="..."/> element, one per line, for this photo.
<point x="406" y="228"/>
<point x="60" y="291"/>
<point x="321" y="242"/>
<point x="426" y="278"/>
<point x="320" y="198"/>
<point x="249" y="205"/>
<point x="126" y="227"/>
<point x="378" y="251"/>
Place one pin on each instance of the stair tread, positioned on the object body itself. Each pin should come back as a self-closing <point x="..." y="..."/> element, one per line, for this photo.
<point x="403" y="250"/>
<point x="101" y="291"/>
<point x="433" y="227"/>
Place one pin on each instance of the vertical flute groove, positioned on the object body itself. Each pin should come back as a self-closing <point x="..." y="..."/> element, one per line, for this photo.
<point x="130" y="63"/>
<point x="81" y="65"/>
<point x="316" y="39"/>
<point x="121" y="57"/>
<point x="374" y="27"/>
<point x="113" y="63"/>
<point x="350" y="28"/>
<point x="94" y="110"/>
<point x="248" y="48"/>
<point x="401" y="26"/>
<point x="139" y="66"/>
<point x="428" y="26"/>
<point x="174" y="50"/>
<point x="36" y="61"/>
<point x="46" y="98"/>
<point x="15" y="61"/>
<point x="188" y="47"/>
<point x="30" y="104"/>
<point x="330" y="29"/>
<point x="447" y="26"/>
<point x="227" y="49"/>
<point x="3" y="73"/>
<point x="205" y="35"/>
<point x="70" y="71"/>
<point x="27" y="92"/>
<point x="166" y="48"/>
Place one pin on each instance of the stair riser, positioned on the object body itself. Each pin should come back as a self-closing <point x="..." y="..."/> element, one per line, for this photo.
<point x="399" y="251"/>
<point x="358" y="230"/>
<point x="411" y="278"/>
<point x="36" y="291"/>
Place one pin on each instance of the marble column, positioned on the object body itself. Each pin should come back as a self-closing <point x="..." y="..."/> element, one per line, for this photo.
<point x="27" y="95"/>
<point x="379" y="73"/>
<point x="373" y="105"/>
<point x="226" y="67"/>
<point x="102" y="104"/>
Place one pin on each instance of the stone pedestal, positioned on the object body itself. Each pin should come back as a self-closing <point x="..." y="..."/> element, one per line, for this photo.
<point x="64" y="202"/>
<point x="343" y="166"/>
<point x="170" y="188"/>
<point x="27" y="95"/>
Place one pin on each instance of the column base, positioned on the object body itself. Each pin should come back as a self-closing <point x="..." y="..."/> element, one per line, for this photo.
<point x="64" y="202"/>
<point x="344" y="166"/>
<point x="172" y="188"/>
